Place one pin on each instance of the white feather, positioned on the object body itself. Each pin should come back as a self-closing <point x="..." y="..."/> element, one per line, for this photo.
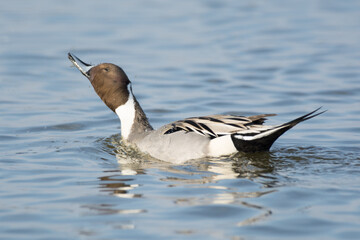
<point x="261" y="135"/>
<point x="221" y="146"/>
<point x="126" y="114"/>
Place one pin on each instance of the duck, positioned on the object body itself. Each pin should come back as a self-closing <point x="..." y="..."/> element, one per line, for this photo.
<point x="183" y="140"/>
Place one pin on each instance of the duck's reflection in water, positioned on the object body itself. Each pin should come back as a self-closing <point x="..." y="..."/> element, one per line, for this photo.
<point x="227" y="181"/>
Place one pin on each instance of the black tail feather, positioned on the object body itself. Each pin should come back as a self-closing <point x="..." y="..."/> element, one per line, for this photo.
<point x="304" y="117"/>
<point x="264" y="143"/>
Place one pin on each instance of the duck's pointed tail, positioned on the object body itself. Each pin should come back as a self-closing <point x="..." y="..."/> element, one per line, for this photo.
<point x="263" y="141"/>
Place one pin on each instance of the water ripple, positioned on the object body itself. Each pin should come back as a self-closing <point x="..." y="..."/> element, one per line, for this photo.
<point x="65" y="174"/>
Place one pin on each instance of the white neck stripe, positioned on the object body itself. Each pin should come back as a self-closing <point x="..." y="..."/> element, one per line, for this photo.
<point x="126" y="114"/>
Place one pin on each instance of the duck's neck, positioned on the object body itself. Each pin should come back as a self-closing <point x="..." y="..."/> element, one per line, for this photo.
<point x="132" y="118"/>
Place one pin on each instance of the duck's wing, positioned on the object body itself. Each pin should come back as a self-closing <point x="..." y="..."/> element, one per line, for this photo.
<point x="248" y="134"/>
<point x="214" y="126"/>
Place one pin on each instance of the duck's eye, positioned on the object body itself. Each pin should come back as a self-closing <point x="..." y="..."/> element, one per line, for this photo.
<point x="106" y="69"/>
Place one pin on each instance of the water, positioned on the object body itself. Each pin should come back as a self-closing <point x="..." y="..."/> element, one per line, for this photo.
<point x="65" y="176"/>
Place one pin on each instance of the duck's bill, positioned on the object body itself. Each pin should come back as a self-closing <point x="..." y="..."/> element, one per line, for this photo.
<point x="79" y="64"/>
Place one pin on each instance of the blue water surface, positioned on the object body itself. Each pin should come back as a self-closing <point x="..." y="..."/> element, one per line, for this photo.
<point x="64" y="174"/>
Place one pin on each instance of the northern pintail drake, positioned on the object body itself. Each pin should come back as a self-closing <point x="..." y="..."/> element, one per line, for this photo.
<point x="191" y="138"/>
